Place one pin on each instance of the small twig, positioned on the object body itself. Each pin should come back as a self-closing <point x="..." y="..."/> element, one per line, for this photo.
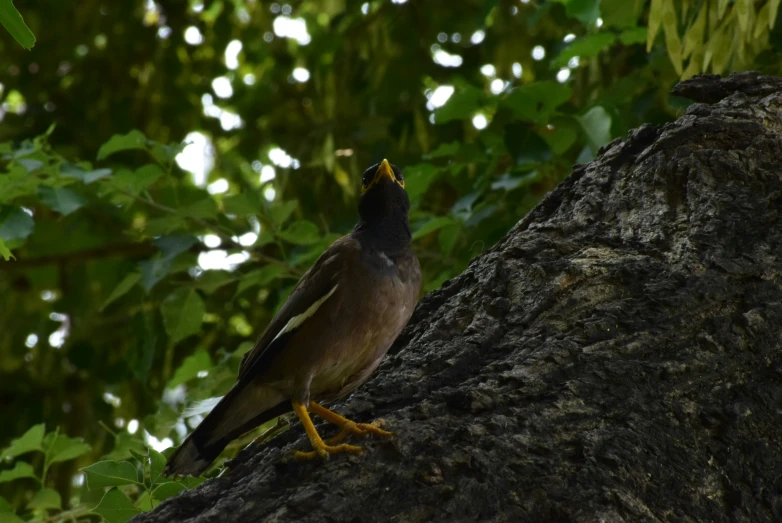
<point x="106" y="428"/>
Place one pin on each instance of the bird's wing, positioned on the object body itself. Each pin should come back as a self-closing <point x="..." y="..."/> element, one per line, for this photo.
<point x="313" y="291"/>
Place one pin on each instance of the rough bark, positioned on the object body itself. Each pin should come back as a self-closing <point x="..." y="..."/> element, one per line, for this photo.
<point x="616" y="357"/>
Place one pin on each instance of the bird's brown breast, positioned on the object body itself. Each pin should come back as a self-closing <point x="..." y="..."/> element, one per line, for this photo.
<point x="343" y="342"/>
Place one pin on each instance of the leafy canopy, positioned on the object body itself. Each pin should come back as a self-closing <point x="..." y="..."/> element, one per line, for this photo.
<point x="169" y="171"/>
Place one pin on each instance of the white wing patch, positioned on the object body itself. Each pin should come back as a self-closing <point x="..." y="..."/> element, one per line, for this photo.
<point x="300" y="318"/>
<point x="201" y="408"/>
<point x="386" y="259"/>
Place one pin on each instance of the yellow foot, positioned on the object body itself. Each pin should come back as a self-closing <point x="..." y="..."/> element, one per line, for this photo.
<point x="324" y="451"/>
<point x="360" y="429"/>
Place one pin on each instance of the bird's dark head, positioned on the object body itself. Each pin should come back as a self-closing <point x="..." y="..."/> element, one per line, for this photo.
<point x="384" y="203"/>
<point x="382" y="192"/>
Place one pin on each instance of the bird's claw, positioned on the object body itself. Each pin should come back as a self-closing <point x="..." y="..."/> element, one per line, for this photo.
<point x="360" y="429"/>
<point x="325" y="451"/>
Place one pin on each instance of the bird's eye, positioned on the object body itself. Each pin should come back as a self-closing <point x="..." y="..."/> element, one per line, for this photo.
<point x="398" y="175"/>
<point x="368" y="176"/>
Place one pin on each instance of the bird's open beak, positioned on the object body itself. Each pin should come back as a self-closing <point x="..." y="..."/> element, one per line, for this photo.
<point x="385" y="170"/>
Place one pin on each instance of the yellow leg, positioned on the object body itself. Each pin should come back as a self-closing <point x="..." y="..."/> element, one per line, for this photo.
<point x="348" y="427"/>
<point x="321" y="448"/>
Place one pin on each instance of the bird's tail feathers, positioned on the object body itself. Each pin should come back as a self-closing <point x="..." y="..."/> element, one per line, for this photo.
<point x="238" y="412"/>
<point x="188" y="460"/>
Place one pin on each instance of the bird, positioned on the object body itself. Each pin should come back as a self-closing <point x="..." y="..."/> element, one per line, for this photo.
<point x="329" y="336"/>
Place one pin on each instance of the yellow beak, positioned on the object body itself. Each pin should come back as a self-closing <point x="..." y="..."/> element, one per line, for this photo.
<point x="385" y="170"/>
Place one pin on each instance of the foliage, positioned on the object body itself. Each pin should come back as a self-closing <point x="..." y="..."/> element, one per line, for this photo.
<point x="716" y="34"/>
<point x="55" y="448"/>
<point x="14" y="24"/>
<point x="168" y="172"/>
<point x="141" y="473"/>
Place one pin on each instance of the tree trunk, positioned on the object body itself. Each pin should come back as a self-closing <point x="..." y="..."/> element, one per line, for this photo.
<point x="616" y="357"/>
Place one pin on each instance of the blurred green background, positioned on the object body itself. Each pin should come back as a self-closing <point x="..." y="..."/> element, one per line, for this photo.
<point x="169" y="170"/>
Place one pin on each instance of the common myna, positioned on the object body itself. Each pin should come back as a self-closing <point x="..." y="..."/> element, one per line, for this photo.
<point x="330" y="335"/>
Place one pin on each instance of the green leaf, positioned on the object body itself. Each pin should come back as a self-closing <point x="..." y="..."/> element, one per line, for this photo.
<point x="110" y="473"/>
<point x="526" y="147"/>
<point x="124" y="442"/>
<point x="508" y="182"/>
<point x="46" y="498"/>
<point x="115" y="507"/>
<point x="636" y="35"/>
<point x="14" y="24"/>
<point x="206" y="208"/>
<point x="30" y="164"/>
<point x="481" y="212"/>
<point x="165" y="154"/>
<point x="279" y="213"/>
<point x="7" y="513"/>
<point x="15" y="224"/>
<point x="164" y="225"/>
<point x="134" y="140"/>
<point x="585" y="11"/>
<point x="157" y="462"/>
<point x="16" y="183"/>
<point x="166" y="490"/>
<point x="122" y="288"/>
<point x="136" y="181"/>
<point x="62" y="200"/>
<point x="446" y="149"/>
<point x="154" y="270"/>
<point x="418" y="178"/>
<point x="27" y="442"/>
<point x="140" y="457"/>
<point x="21" y="469"/>
<point x="586" y="47"/>
<point x="245" y="204"/>
<point x="5" y="506"/>
<point x="621" y="13"/>
<point x="597" y="126"/>
<point x="74" y="171"/>
<point x="183" y="312"/>
<point x="260" y="277"/>
<point x="460" y="106"/>
<point x="264" y="238"/>
<point x="448" y="237"/>
<point x="537" y="102"/>
<point x="212" y="280"/>
<point x="561" y="133"/>
<point x="64" y="447"/>
<point x="301" y="232"/>
<point x="172" y="488"/>
<point x="9" y="517"/>
<point x="5" y="252"/>
<point x="432" y="225"/>
<point x="174" y="245"/>
<point x="144" y="501"/>
<point x="190" y="368"/>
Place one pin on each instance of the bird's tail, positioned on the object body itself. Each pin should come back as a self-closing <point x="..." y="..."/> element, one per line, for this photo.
<point x="241" y="410"/>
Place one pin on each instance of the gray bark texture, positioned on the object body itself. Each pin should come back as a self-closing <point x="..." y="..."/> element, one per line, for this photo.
<point x="616" y="357"/>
